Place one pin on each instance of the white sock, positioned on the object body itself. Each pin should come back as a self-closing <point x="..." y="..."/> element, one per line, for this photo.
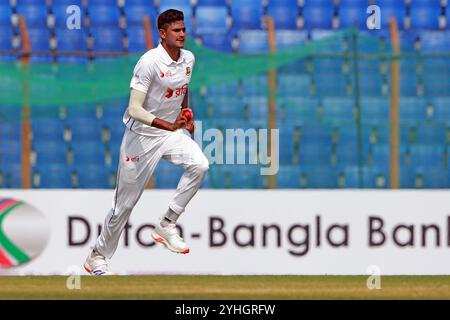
<point x="170" y="217"/>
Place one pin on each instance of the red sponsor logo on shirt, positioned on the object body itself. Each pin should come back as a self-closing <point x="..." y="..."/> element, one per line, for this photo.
<point x="169" y="93"/>
<point x="167" y="74"/>
<point x="178" y="91"/>
<point x="132" y="159"/>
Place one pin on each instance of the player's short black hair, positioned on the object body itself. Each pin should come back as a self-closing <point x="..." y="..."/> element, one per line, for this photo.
<point x="169" y="16"/>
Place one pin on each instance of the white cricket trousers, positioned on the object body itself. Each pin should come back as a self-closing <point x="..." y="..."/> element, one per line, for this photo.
<point x="139" y="156"/>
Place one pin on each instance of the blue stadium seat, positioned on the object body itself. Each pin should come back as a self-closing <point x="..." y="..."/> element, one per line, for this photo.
<point x="429" y="156"/>
<point x="286" y="135"/>
<point x="329" y="78"/>
<point x="50" y="152"/>
<point x="89" y="151"/>
<point x="253" y="41"/>
<point x="246" y="176"/>
<point x="11" y="150"/>
<point x="352" y="13"/>
<point x="103" y="15"/>
<point x="289" y="38"/>
<point x="71" y="40"/>
<point x="389" y="8"/>
<point x="226" y="106"/>
<point x="436" y="76"/>
<point x="107" y="39"/>
<point x="35" y="13"/>
<point x="257" y="106"/>
<point x="412" y="109"/>
<point x="338" y="110"/>
<point x="228" y="88"/>
<point x="6" y="34"/>
<point x="93" y="176"/>
<point x="50" y="129"/>
<point x="84" y="129"/>
<point x="315" y="153"/>
<point x="52" y="175"/>
<point x="211" y="19"/>
<point x="284" y="13"/>
<point x="321" y="177"/>
<point x="134" y="13"/>
<point x="441" y="109"/>
<point x="246" y="14"/>
<point x="218" y="41"/>
<point x="432" y="41"/>
<point x="136" y="38"/>
<point x="39" y="40"/>
<point x="370" y="81"/>
<point x="425" y="13"/>
<point x="254" y="85"/>
<point x="428" y="133"/>
<point x="366" y="177"/>
<point x="13" y="175"/>
<point x="288" y="176"/>
<point x="432" y="178"/>
<point x="297" y="110"/>
<point x="212" y="2"/>
<point x="167" y="175"/>
<point x="9" y="113"/>
<point x="5" y="14"/>
<point x="293" y="85"/>
<point x="318" y="14"/>
<point x="10" y="130"/>
<point x="374" y="110"/>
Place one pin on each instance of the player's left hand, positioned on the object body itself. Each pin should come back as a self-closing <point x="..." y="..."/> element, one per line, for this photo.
<point x="190" y="126"/>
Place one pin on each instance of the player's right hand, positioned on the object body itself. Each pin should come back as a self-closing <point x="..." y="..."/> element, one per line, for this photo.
<point x="180" y="122"/>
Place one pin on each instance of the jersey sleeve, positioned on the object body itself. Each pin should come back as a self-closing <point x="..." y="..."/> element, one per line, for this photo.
<point x="142" y="75"/>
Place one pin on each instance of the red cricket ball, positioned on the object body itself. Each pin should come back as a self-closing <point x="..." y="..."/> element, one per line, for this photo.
<point x="187" y="113"/>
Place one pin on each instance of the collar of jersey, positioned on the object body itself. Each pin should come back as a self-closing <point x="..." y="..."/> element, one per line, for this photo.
<point x="166" y="59"/>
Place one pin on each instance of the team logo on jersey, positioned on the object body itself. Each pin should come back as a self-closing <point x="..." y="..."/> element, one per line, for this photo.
<point x="24" y="232"/>
<point x="188" y="71"/>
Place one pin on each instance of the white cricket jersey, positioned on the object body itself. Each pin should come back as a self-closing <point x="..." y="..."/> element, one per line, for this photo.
<point x="165" y="83"/>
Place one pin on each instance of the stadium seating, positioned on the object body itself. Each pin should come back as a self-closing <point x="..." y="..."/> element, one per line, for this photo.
<point x="284" y="13"/>
<point x="211" y="19"/>
<point x="318" y="14"/>
<point x="6" y="33"/>
<point x="352" y="13"/>
<point x="425" y="13"/>
<point x="288" y="38"/>
<point x="218" y="41"/>
<point x="252" y="41"/>
<point x="103" y="15"/>
<point x="107" y="39"/>
<point x="246" y="14"/>
<point x="35" y="12"/>
<point x="5" y="14"/>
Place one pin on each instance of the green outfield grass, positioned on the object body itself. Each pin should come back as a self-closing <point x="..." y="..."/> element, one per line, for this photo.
<point x="225" y="287"/>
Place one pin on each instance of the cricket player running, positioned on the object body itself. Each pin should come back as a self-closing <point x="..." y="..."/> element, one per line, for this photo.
<point x="156" y="115"/>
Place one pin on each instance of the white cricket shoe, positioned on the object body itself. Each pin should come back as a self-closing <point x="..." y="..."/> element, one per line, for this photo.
<point x="96" y="264"/>
<point x="170" y="238"/>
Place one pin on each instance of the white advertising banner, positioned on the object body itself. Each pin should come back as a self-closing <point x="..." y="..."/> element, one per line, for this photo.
<point x="304" y="232"/>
